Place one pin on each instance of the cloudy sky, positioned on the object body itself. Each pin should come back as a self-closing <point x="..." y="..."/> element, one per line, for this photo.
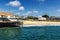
<point x="31" y="7"/>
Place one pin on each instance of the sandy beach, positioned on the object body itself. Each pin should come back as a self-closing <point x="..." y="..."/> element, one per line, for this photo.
<point x="41" y="23"/>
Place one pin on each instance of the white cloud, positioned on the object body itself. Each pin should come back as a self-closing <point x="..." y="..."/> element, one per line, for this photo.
<point x="30" y="12"/>
<point x="27" y="13"/>
<point x="21" y="8"/>
<point x="58" y="10"/>
<point x="18" y="13"/>
<point x="14" y="3"/>
<point x="41" y="0"/>
<point x="35" y="12"/>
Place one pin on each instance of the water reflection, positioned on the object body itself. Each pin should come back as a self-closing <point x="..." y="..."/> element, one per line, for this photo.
<point x="9" y="33"/>
<point x="30" y="33"/>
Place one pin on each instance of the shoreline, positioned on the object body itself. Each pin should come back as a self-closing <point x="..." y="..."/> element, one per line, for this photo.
<point x="40" y="23"/>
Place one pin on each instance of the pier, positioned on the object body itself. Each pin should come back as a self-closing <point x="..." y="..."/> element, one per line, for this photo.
<point x="10" y="24"/>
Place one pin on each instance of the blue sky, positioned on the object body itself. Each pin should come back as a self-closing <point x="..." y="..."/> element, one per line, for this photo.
<point x="31" y="7"/>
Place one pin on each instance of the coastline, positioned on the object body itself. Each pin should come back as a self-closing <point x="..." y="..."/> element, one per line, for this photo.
<point x="40" y="23"/>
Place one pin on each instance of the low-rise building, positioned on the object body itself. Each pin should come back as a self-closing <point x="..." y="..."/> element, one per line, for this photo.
<point x="42" y="18"/>
<point x="6" y="14"/>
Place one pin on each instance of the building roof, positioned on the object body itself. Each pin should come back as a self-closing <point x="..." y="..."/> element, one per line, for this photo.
<point x="6" y="14"/>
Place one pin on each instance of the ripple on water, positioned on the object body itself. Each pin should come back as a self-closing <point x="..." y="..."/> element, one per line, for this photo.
<point x="31" y="33"/>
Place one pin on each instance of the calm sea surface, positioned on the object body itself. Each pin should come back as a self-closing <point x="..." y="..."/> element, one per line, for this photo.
<point x="31" y="33"/>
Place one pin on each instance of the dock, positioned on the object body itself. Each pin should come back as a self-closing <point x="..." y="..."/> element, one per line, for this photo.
<point x="10" y="24"/>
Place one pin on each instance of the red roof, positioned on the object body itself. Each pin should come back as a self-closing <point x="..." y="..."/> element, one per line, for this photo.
<point x="6" y="14"/>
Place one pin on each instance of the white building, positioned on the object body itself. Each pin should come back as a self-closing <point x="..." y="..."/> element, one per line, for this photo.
<point x="10" y="16"/>
<point x="41" y="18"/>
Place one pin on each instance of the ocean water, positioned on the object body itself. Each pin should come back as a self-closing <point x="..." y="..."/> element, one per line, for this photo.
<point x="31" y="33"/>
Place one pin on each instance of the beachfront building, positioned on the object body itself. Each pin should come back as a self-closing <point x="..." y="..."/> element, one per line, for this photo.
<point x="8" y="15"/>
<point x="42" y="18"/>
<point x="53" y="18"/>
<point x="9" y="19"/>
<point x="5" y="14"/>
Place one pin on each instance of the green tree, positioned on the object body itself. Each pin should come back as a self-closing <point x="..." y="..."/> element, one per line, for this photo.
<point x="31" y="17"/>
<point x="46" y="16"/>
